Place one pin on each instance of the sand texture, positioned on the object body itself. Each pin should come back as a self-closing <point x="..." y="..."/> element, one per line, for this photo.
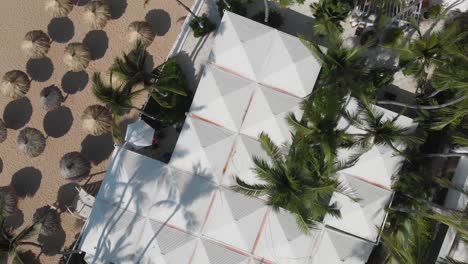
<point x="38" y="180"/>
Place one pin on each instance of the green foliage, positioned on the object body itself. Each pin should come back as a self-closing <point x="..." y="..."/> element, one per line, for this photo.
<point x="275" y="19"/>
<point x="410" y="243"/>
<point x="201" y="26"/>
<point x="329" y="14"/>
<point x="286" y="3"/>
<point x="392" y="36"/>
<point x="381" y="77"/>
<point x="236" y="6"/>
<point x="301" y="182"/>
<point x="174" y="112"/>
<point x="435" y="11"/>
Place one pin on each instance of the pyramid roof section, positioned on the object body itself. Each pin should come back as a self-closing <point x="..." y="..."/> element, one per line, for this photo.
<point x="203" y="148"/>
<point x="265" y="55"/>
<point x="336" y="247"/>
<point x="368" y="210"/>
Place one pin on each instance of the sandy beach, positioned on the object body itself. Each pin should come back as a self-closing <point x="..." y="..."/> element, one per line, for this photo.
<point x="38" y="180"/>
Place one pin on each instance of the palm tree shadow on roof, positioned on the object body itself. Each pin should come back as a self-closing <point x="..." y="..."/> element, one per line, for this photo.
<point x="40" y="70"/>
<point x="58" y="122"/>
<point x="97" y="42"/>
<point x="117" y="8"/>
<point x="61" y="29"/>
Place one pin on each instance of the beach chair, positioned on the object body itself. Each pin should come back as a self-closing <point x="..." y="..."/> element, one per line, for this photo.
<point x="82" y="204"/>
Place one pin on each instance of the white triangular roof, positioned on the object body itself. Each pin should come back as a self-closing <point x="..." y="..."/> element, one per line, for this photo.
<point x="234" y="219"/>
<point x="338" y="248"/>
<point x="202" y="148"/>
<point x="222" y="98"/>
<point x="281" y="241"/>
<point x="264" y="54"/>
<point x="364" y="217"/>
<point x="268" y="113"/>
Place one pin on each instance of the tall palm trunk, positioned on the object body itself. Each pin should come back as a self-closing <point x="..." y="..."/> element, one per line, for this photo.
<point x="424" y="107"/>
<point x="186" y="8"/>
<point x="267" y="10"/>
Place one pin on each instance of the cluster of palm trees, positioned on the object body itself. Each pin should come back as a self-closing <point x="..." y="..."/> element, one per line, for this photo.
<point x="127" y="79"/>
<point x="45" y="221"/>
<point x="301" y="177"/>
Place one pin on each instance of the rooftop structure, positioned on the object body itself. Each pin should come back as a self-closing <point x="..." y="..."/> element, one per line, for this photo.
<point x="184" y="212"/>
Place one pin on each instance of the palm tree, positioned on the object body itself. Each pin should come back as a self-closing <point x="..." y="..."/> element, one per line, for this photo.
<point x="377" y="130"/>
<point x="300" y="182"/>
<point x="342" y="68"/>
<point x="318" y="126"/>
<point x="328" y="15"/>
<point x="409" y="244"/>
<point x="131" y="69"/>
<point x="45" y="221"/>
<point x="117" y="100"/>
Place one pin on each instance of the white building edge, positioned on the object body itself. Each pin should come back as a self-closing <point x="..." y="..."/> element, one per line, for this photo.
<point x="184" y="212"/>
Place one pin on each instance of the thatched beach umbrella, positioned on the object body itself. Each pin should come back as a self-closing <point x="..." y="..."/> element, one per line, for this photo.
<point x="49" y="220"/>
<point x="96" y="120"/>
<point x="51" y="98"/>
<point x="77" y="56"/>
<point x="74" y="165"/>
<point x="140" y="31"/>
<point x="58" y="8"/>
<point x="35" y="44"/>
<point x="31" y="142"/>
<point x="15" y="84"/>
<point x="3" y="131"/>
<point x="96" y="14"/>
<point x="9" y="200"/>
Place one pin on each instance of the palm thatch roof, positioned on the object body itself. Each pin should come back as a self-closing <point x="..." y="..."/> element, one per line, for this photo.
<point x="31" y="142"/>
<point x="58" y="8"/>
<point x="77" y="56"/>
<point x="36" y="44"/>
<point x="96" y="14"/>
<point x="15" y="84"/>
<point x="3" y="131"/>
<point x="8" y="201"/>
<point x="140" y="31"/>
<point x="51" y="98"/>
<point x="96" y="120"/>
<point x="73" y="165"/>
<point x="47" y="219"/>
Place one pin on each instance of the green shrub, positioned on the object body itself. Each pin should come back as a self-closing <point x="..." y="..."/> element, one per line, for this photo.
<point x="392" y="35"/>
<point x="329" y="14"/>
<point x="236" y="6"/>
<point x="381" y="77"/>
<point x="172" y="77"/>
<point x="275" y="19"/>
<point x="435" y="11"/>
<point x="366" y="36"/>
<point x="199" y="31"/>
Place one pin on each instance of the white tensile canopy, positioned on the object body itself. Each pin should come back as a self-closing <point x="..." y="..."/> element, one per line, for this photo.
<point x="265" y="55"/>
<point x="380" y="163"/>
<point x="363" y="217"/>
<point x="338" y="248"/>
<point x="139" y="134"/>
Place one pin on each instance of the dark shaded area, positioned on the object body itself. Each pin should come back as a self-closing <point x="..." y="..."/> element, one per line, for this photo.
<point x="61" y="29"/>
<point x="29" y="257"/>
<point x="73" y="82"/>
<point x="159" y="20"/>
<point x="80" y="2"/>
<point x="66" y="194"/>
<point x="40" y="70"/>
<point x="17" y="113"/>
<point x="15" y="220"/>
<point x="117" y="8"/>
<point x="58" y="122"/>
<point x="26" y="181"/>
<point x="52" y="244"/>
<point x="1" y="165"/>
<point x="97" y="42"/>
<point x="97" y="148"/>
